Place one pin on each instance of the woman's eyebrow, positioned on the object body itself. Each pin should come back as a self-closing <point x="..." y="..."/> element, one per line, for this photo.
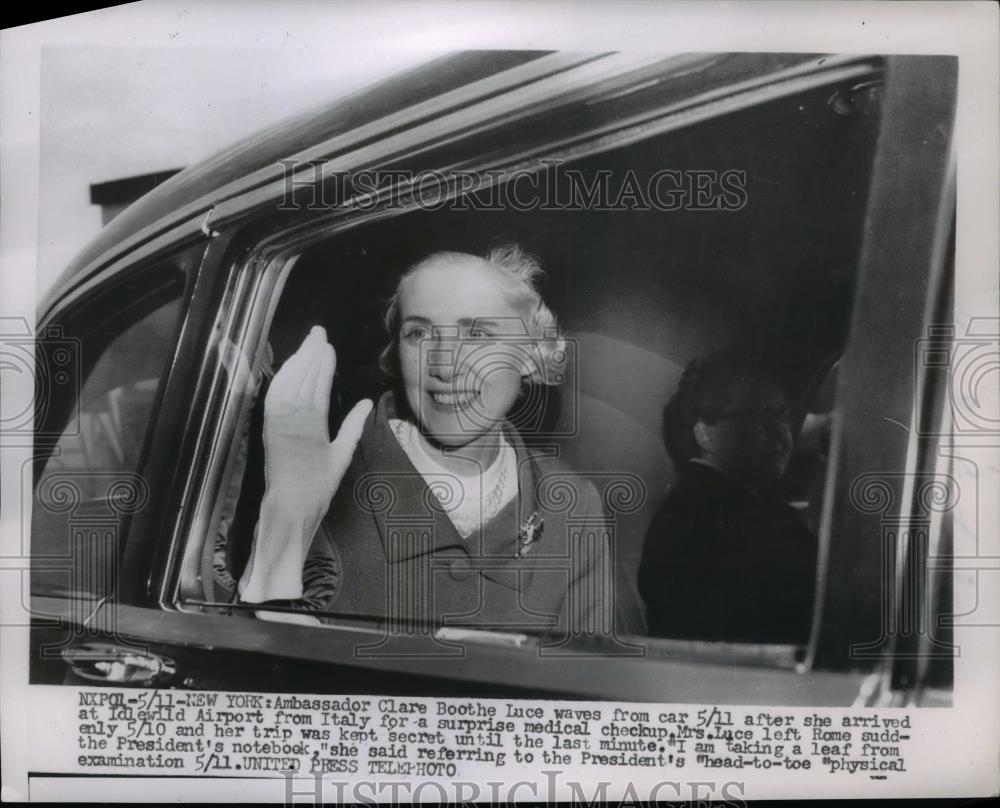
<point x="464" y="321"/>
<point x="513" y="326"/>
<point x="510" y="326"/>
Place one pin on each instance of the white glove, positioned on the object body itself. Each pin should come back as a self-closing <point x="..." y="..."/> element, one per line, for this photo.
<point x="302" y="468"/>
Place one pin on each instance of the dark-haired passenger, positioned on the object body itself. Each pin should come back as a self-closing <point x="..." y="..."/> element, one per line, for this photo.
<point x="725" y="558"/>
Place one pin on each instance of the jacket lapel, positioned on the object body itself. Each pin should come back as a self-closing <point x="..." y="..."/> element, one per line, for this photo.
<point x="408" y="519"/>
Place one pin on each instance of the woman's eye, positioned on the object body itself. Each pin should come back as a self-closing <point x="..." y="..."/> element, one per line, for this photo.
<point x="416" y="333"/>
<point x="478" y="333"/>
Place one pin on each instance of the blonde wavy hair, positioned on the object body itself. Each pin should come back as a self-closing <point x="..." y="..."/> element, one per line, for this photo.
<point x="519" y="275"/>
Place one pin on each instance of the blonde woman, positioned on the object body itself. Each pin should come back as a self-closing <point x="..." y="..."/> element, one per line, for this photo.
<point x="428" y="507"/>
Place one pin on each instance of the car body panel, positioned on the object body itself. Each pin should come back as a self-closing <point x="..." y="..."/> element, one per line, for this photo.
<point x="209" y="654"/>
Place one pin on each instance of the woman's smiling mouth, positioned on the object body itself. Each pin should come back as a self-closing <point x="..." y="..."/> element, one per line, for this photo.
<point x="458" y="399"/>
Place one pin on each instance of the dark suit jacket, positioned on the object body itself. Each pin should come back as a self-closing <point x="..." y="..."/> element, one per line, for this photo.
<point x="386" y="548"/>
<point x="720" y="563"/>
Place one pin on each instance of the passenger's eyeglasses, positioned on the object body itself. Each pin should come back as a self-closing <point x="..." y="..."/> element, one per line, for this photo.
<point x="762" y="415"/>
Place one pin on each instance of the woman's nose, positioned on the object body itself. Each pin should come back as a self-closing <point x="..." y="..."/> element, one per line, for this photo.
<point x="440" y="360"/>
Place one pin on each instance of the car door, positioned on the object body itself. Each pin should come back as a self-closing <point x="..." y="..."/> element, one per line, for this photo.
<point x="153" y="628"/>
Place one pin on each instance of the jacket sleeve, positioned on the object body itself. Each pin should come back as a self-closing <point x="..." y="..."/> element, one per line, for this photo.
<point x="321" y="572"/>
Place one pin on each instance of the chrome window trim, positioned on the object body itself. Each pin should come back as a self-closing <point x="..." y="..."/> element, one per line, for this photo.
<point x="915" y="444"/>
<point x="245" y="329"/>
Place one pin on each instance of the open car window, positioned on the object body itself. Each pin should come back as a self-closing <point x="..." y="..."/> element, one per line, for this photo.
<point x="742" y="231"/>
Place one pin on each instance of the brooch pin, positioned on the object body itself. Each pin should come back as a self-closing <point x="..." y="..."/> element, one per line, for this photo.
<point x="529" y="533"/>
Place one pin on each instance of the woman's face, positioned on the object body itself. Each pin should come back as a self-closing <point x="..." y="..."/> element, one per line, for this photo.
<point x="460" y="356"/>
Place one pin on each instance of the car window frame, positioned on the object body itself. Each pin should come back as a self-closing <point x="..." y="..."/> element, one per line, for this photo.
<point x="272" y="250"/>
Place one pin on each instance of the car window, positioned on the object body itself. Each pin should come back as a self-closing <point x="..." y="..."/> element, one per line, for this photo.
<point x="752" y="251"/>
<point x="94" y="433"/>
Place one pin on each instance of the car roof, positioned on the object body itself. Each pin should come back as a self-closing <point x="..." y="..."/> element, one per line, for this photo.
<point x="191" y="196"/>
<point x="288" y="137"/>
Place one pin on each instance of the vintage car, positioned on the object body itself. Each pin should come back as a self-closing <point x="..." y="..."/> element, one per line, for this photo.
<point x="798" y="204"/>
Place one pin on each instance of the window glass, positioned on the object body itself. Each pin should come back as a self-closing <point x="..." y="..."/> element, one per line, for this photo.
<point x="90" y="482"/>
